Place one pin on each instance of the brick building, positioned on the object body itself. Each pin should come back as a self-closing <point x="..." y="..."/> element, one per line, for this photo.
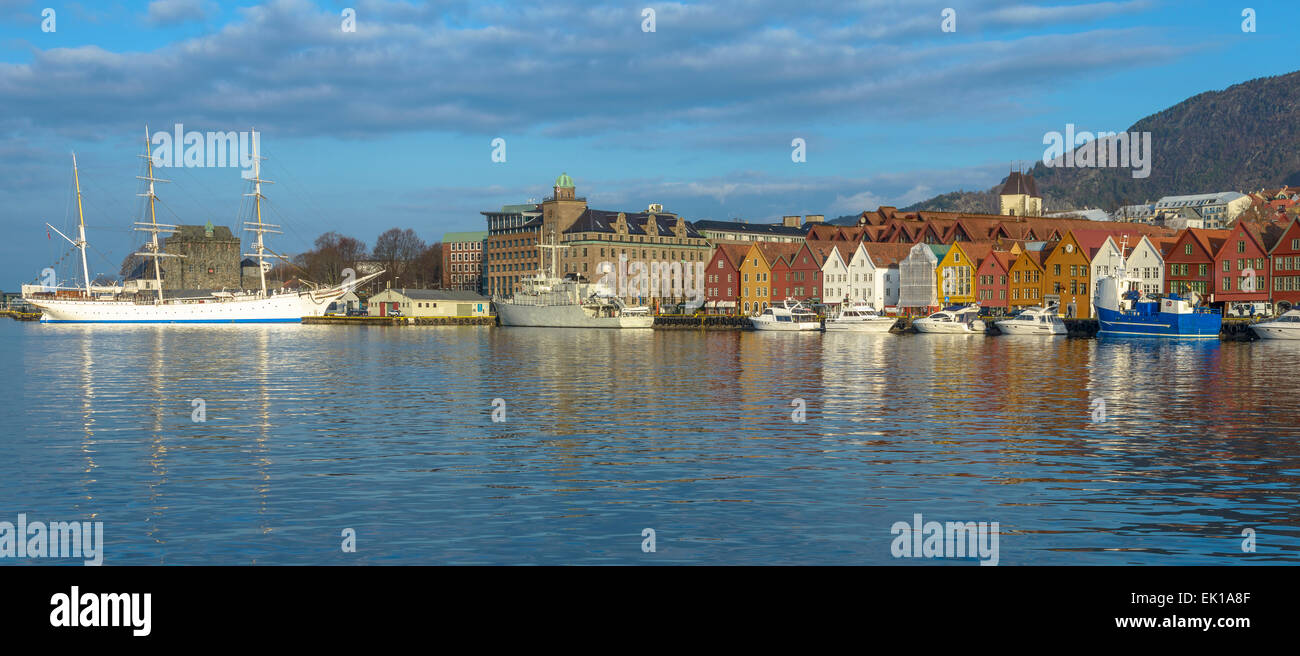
<point x="462" y="260"/>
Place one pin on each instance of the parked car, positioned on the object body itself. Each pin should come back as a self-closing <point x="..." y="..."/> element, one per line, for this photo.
<point x="1256" y="309"/>
<point x="358" y="313"/>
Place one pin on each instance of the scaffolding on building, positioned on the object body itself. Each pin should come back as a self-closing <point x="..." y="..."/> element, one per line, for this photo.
<point x="917" y="283"/>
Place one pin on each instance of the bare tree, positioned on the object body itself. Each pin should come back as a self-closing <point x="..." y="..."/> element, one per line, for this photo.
<point x="397" y="251"/>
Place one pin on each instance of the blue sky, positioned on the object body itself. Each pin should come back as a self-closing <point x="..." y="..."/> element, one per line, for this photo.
<point x="391" y="125"/>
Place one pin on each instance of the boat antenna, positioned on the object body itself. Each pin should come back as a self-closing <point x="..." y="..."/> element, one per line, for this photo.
<point x="152" y="227"/>
<point x="257" y="226"/>
<point x="81" y="226"/>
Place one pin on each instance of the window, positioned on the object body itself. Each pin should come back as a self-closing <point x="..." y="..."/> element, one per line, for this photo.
<point x="1241" y="246"/>
<point x="1227" y="266"/>
<point x="1187" y="249"/>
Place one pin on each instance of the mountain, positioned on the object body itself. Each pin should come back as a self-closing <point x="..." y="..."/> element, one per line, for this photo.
<point x="1242" y="138"/>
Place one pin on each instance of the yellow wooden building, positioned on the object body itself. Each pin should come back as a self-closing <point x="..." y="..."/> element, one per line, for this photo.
<point x="756" y="274"/>
<point x="1066" y="275"/>
<point x="955" y="272"/>
<point x="1026" y="284"/>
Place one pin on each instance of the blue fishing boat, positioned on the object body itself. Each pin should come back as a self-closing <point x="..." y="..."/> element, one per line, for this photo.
<point x="1131" y="313"/>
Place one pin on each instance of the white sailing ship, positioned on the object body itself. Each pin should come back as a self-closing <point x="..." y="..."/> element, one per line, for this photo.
<point x="113" y="305"/>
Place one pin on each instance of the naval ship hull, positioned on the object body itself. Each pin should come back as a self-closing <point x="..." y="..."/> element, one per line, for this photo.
<point x="563" y="316"/>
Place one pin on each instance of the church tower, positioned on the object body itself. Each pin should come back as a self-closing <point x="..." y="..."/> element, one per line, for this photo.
<point x="1020" y="197"/>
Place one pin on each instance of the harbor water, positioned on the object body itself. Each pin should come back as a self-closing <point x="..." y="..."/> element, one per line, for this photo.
<point x="481" y="445"/>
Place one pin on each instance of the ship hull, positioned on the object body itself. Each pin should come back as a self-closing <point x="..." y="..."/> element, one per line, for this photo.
<point x="1198" y="325"/>
<point x="793" y="326"/>
<point x="870" y="326"/>
<point x="1012" y="328"/>
<point x="947" y="328"/>
<point x="1271" y="330"/>
<point x="281" y="308"/>
<point x="563" y="316"/>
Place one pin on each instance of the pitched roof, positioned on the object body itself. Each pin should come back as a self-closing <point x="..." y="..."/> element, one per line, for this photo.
<point x="733" y="251"/>
<point x="775" y="251"/>
<point x="771" y="229"/>
<point x="1020" y="183"/>
<point x="603" y="221"/>
<point x="886" y="254"/>
<point x="439" y="295"/>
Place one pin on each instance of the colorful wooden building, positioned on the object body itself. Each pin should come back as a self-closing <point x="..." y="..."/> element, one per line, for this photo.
<point x="722" y="279"/>
<point x="1189" y="263"/>
<point x="992" y="279"/>
<point x="1026" y="284"/>
<point x="1286" y="267"/>
<point x="1241" y="271"/>
<point x="756" y="274"/>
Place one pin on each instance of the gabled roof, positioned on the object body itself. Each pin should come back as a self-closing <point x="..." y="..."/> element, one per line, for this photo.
<point x="773" y="252"/>
<point x="733" y="251"/>
<point x="886" y="254"/>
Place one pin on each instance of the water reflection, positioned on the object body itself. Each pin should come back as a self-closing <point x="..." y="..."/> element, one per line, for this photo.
<point x="311" y="429"/>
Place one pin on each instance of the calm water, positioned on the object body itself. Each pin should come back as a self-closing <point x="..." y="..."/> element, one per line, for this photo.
<point x="314" y="429"/>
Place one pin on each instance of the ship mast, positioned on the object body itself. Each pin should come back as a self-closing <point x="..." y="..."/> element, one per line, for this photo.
<point x="81" y="226"/>
<point x="153" y="248"/>
<point x="553" y="247"/>
<point x="257" y="226"/>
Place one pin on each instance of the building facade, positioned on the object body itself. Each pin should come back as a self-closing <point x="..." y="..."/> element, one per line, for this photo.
<point x="428" y="303"/>
<point x="1285" y="256"/>
<point x="462" y="260"/>
<point x="1019" y="196"/>
<point x="210" y="259"/>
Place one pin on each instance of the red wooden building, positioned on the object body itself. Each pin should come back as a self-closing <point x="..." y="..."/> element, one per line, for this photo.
<point x="1241" y="271"/>
<point x="722" y="279"/>
<point x="1190" y="262"/>
<point x="1286" y="266"/>
<point x="991" y="289"/>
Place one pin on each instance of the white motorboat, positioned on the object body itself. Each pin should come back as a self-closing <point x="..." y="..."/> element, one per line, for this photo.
<point x="1034" y="321"/>
<point x="791" y="315"/>
<point x="1286" y="326"/>
<point x="860" y="318"/>
<point x="957" y="320"/>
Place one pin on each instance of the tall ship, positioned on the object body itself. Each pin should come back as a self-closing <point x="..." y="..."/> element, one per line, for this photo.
<point x="1131" y="313"/>
<point x="91" y="304"/>
<point x="544" y="301"/>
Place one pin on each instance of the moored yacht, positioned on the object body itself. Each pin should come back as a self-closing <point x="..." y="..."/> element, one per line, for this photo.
<point x="860" y="318"/>
<point x="1034" y="320"/>
<point x="955" y="320"/>
<point x="791" y="315"/>
<point x="1286" y="326"/>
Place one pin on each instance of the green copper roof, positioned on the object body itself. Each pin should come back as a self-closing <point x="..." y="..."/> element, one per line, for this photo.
<point x="464" y="236"/>
<point x="564" y="181"/>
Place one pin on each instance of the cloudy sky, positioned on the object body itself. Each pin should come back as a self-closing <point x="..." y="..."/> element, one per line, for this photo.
<point x="392" y="124"/>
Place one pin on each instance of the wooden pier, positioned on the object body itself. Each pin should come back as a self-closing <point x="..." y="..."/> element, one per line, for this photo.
<point x="401" y="321"/>
<point x="21" y="316"/>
